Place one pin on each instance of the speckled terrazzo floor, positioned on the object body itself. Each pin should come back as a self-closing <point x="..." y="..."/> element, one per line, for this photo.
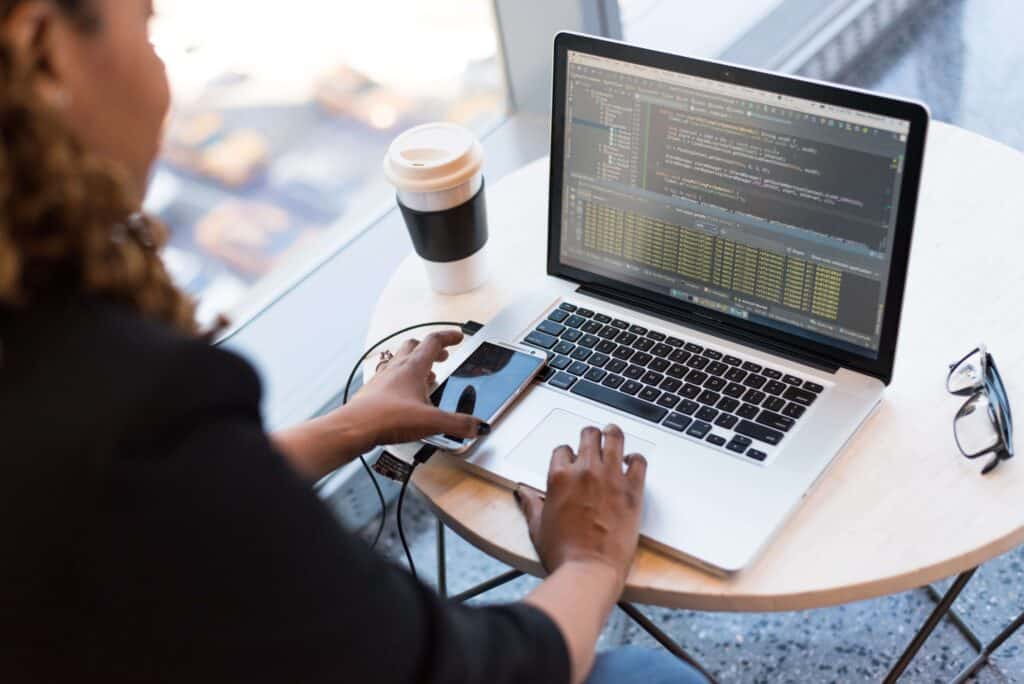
<point x="963" y="57"/>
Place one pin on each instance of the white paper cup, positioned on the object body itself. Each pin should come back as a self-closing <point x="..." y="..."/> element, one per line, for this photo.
<point x="437" y="171"/>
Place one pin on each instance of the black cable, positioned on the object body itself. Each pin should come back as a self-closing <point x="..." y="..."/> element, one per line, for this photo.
<point x="398" y="516"/>
<point x="469" y="328"/>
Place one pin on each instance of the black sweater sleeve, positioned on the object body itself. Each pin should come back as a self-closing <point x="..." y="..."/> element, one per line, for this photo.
<point x="209" y="560"/>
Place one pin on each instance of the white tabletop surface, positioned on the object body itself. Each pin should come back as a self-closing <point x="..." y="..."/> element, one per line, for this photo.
<point x="901" y="507"/>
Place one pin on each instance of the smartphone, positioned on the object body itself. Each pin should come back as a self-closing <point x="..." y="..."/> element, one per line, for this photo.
<point x="484" y="385"/>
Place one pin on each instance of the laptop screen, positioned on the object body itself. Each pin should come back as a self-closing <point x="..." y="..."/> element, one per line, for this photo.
<point x="774" y="209"/>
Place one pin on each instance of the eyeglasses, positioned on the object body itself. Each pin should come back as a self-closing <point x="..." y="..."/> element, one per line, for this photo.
<point x="984" y="424"/>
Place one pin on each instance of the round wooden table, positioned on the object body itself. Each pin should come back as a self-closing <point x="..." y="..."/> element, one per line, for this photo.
<point x="901" y="507"/>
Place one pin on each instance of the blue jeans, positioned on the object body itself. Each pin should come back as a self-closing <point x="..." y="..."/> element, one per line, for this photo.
<point x="637" y="664"/>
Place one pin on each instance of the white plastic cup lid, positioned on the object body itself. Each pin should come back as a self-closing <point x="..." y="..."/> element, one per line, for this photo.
<point x="433" y="157"/>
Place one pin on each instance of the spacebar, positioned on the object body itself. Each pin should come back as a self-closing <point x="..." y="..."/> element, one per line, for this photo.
<point x="623" y="402"/>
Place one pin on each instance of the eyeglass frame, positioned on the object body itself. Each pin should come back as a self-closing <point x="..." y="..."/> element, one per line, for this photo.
<point x="990" y="383"/>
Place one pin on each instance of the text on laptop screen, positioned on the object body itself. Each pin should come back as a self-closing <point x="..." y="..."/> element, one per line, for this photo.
<point x="774" y="209"/>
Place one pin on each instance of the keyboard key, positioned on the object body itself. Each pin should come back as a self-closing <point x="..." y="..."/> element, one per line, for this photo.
<point x="800" y="396"/>
<point x="571" y="335"/>
<point x="674" y="342"/>
<point x="592" y="327"/>
<point x="579" y="368"/>
<point x="649" y="394"/>
<point x="690" y="391"/>
<point x="671" y="385"/>
<point x="752" y="367"/>
<point x="642" y="358"/>
<point x="734" y="390"/>
<point x="792" y="380"/>
<point x="623" y="353"/>
<point x="632" y="387"/>
<point x="771" y="373"/>
<point x="716" y="368"/>
<point x="626" y="338"/>
<point x="606" y="346"/>
<point x="659" y="365"/>
<point x="564" y="347"/>
<point x="793" y="410"/>
<point x="656" y="336"/>
<point x="617" y="400"/>
<point x="732" y="360"/>
<point x="668" y="400"/>
<point x="712" y="354"/>
<point x="609" y="332"/>
<point x="694" y="348"/>
<point x="562" y="380"/>
<point x="813" y="387"/>
<point x="755" y="381"/>
<point x="566" y="306"/>
<point x="736" y="375"/>
<point x="575" y="321"/>
<point x="696" y="377"/>
<point x="634" y="372"/>
<point x="581" y="354"/>
<point x="601" y="318"/>
<point x="774" y="387"/>
<point x="679" y="356"/>
<point x="652" y="378"/>
<point x="677" y="422"/>
<point x="708" y="397"/>
<point x="586" y="313"/>
<point x="698" y="362"/>
<point x="539" y="339"/>
<point x="620" y="324"/>
<point x="595" y="375"/>
<point x="677" y="371"/>
<point x="756" y="455"/>
<point x="774" y="404"/>
<point x="588" y="341"/>
<point x="616" y="366"/>
<point x="747" y="411"/>
<point x="662" y="350"/>
<point x="613" y="381"/>
<point x="759" y="432"/>
<point x="643" y="344"/>
<point x="707" y="413"/>
<point x="699" y="429"/>
<point x="728" y="404"/>
<point x="558" y="315"/>
<point x="717" y="440"/>
<point x="551" y="328"/>
<point x="726" y="421"/>
<point x="598" y="360"/>
<point x="754" y="396"/>
<point x="774" y="420"/>
<point x="689" y="407"/>
<point x="739" y="444"/>
<point x="715" y="384"/>
<point x="637" y="330"/>
<point x="560" y="362"/>
<point x="545" y="374"/>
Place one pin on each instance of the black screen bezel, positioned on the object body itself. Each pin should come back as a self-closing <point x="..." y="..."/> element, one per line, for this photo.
<point x="914" y="112"/>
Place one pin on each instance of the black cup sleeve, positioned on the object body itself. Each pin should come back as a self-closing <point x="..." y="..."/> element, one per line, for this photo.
<point x="449" y="235"/>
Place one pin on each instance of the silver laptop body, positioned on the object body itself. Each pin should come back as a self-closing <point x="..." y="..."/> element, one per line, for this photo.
<point x="737" y="225"/>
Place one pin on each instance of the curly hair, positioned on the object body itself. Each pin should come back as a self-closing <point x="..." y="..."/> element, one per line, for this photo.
<point x="68" y="221"/>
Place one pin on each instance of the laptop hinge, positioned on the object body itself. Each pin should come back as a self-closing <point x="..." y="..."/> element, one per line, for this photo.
<point x="708" y="324"/>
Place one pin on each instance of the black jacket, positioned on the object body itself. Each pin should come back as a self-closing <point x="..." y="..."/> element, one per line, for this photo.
<point x="150" y="531"/>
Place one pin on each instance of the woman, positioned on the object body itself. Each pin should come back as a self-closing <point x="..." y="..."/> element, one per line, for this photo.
<point x="151" y="529"/>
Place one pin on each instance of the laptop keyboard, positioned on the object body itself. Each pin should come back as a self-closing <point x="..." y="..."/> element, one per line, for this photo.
<point x="724" y="400"/>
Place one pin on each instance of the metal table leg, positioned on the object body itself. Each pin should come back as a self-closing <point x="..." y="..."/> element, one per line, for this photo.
<point x="665" y="640"/>
<point x="955" y="618"/>
<point x="442" y="568"/>
<point x="989" y="649"/>
<point x="929" y="626"/>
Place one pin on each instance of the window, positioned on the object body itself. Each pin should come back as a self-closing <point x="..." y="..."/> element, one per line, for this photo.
<point x="283" y="113"/>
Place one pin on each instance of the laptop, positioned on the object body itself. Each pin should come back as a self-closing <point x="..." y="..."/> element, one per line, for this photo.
<point x="727" y="255"/>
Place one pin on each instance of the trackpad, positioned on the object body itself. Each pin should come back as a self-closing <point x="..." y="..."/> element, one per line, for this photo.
<point x="531" y="458"/>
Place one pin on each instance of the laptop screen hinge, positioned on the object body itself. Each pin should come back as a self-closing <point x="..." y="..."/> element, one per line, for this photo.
<point x="709" y="324"/>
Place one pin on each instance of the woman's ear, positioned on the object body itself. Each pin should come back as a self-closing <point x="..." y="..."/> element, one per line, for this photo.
<point x="38" y="33"/>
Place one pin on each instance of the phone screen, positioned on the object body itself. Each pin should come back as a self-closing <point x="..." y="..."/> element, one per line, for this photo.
<point x="485" y="381"/>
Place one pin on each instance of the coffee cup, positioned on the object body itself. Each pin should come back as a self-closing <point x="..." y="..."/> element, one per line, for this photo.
<point x="437" y="171"/>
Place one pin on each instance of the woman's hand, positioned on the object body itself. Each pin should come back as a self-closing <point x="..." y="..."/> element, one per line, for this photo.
<point x="390" y="409"/>
<point x="591" y="513"/>
<point x="395" y="404"/>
